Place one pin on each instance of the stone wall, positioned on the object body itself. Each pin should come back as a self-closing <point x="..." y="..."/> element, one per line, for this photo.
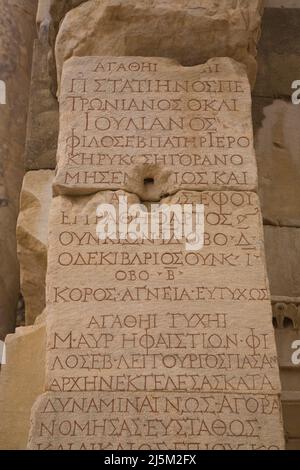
<point x="17" y="31"/>
<point x="276" y="122"/>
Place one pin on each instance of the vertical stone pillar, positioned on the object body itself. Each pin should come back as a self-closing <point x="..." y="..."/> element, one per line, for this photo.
<point x="154" y="343"/>
<point x="17" y="31"/>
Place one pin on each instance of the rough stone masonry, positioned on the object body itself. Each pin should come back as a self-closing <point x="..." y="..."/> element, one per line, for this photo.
<point x="151" y="346"/>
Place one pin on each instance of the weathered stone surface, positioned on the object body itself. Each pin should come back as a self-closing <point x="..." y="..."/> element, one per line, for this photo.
<point x="151" y="323"/>
<point x="32" y="235"/>
<point x="278" y="148"/>
<point x="259" y="103"/>
<point x="17" y="30"/>
<point x="126" y="122"/>
<point x="154" y="28"/>
<point x="54" y="11"/>
<point x="43" y="117"/>
<point x="278" y="54"/>
<point x="3" y="198"/>
<point x="125" y="333"/>
<point x="21" y="381"/>
<point x="282" y="255"/>
<point x="291" y="409"/>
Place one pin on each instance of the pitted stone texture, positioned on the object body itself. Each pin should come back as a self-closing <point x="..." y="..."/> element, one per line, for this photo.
<point x="153" y="127"/>
<point x="32" y="235"/>
<point x="21" y="382"/>
<point x="150" y="323"/>
<point x="190" y="31"/>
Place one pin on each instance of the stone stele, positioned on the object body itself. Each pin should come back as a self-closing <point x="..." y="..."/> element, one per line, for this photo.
<point x="152" y="346"/>
<point x="152" y="127"/>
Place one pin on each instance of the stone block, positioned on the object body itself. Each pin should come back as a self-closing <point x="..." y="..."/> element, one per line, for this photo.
<point x="155" y="28"/>
<point x="277" y="146"/>
<point x="21" y="381"/>
<point x="127" y="303"/>
<point x="282" y="246"/>
<point x="32" y="235"/>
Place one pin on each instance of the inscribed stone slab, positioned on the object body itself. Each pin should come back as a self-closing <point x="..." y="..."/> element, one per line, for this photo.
<point x="152" y="127"/>
<point x="151" y="346"/>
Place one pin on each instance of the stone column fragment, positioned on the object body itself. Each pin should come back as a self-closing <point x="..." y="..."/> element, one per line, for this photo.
<point x="153" y="343"/>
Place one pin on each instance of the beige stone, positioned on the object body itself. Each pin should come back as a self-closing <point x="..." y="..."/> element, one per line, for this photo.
<point x="153" y="323"/>
<point x="282" y="254"/>
<point x="32" y="234"/>
<point x="21" y="381"/>
<point x="155" y="28"/>
<point x="152" y="127"/>
<point x="277" y="148"/>
<point x="17" y="30"/>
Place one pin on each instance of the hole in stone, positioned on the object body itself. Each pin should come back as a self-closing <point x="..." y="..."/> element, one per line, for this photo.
<point x="287" y="323"/>
<point x="148" y="181"/>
